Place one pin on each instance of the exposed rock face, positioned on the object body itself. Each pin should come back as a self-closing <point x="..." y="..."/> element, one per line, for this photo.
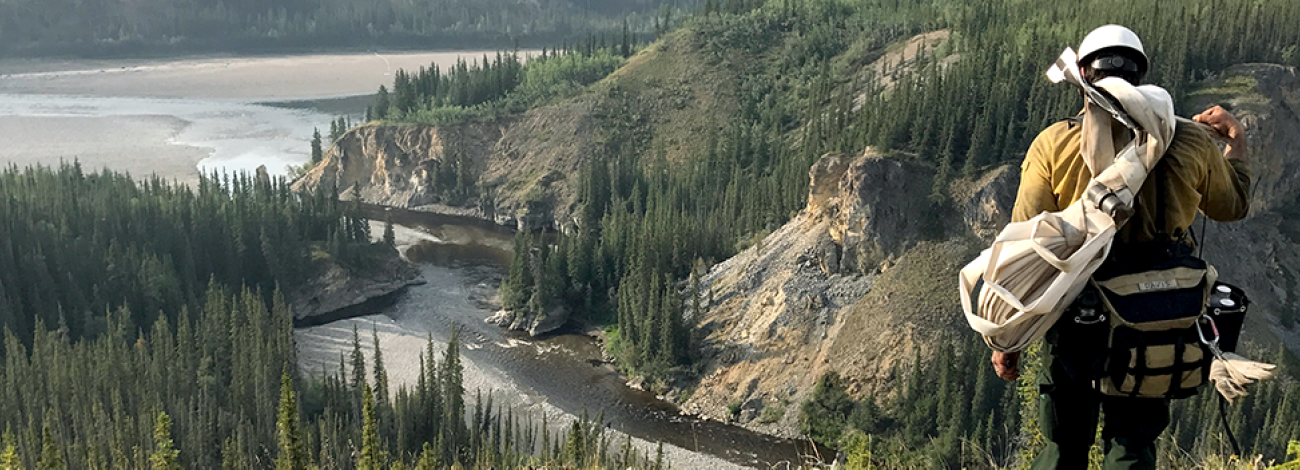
<point x="791" y="308"/>
<point x="534" y="325"/>
<point x="882" y="210"/>
<point x="336" y="288"/>
<point x="519" y="167"/>
<point x="987" y="208"/>
<point x="395" y="165"/>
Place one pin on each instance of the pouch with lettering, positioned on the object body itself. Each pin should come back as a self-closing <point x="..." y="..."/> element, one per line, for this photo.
<point x="1155" y="300"/>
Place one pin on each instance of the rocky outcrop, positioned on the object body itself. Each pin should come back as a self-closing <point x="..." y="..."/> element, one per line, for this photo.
<point x="398" y="165"/>
<point x="823" y="292"/>
<point x="513" y="171"/>
<point x="534" y="325"/>
<point x="882" y="208"/>
<point x="985" y="204"/>
<point x="336" y="288"/>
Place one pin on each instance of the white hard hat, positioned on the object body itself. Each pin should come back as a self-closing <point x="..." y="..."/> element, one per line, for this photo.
<point x="1112" y="36"/>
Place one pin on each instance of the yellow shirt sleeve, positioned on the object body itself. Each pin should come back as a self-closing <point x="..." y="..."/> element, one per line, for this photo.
<point x="1226" y="190"/>
<point x="1036" y="192"/>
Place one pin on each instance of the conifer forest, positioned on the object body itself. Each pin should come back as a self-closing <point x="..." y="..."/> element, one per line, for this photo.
<point x="647" y="231"/>
<point x="113" y="27"/>
<point x="145" y="326"/>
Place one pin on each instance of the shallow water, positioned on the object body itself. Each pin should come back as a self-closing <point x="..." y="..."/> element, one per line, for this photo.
<point x="565" y="370"/>
<point x="175" y="118"/>
<point x="128" y="134"/>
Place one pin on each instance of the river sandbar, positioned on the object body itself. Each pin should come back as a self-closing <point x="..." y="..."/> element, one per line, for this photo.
<point x="274" y="78"/>
<point x="137" y="144"/>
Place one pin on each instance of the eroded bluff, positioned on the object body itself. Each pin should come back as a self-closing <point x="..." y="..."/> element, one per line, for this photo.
<point x="514" y="171"/>
<point x="863" y="281"/>
<point x="858" y="283"/>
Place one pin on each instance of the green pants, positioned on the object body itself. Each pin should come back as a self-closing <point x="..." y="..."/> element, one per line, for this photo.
<point x="1068" y="418"/>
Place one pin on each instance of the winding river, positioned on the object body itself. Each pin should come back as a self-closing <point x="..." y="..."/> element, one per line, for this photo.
<point x="174" y="118"/>
<point x="564" y="375"/>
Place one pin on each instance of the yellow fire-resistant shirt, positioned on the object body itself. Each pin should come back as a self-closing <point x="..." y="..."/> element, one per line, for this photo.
<point x="1193" y="169"/>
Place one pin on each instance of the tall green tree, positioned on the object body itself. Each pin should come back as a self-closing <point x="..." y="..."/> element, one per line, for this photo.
<point x="317" y="152"/>
<point x="292" y="452"/>
<point x="51" y="453"/>
<point x="165" y="453"/>
<point x="9" y="458"/>
<point x="372" y="454"/>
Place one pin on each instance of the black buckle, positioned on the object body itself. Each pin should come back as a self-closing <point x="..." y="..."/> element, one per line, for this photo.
<point x="1089" y="316"/>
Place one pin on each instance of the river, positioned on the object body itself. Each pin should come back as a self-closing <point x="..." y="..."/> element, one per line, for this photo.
<point x="562" y="375"/>
<point x="175" y="118"/>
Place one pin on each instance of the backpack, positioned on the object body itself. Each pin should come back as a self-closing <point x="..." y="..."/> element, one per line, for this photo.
<point x="1155" y="296"/>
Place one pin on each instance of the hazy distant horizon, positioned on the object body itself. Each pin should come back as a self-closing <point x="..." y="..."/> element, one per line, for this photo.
<point x="175" y="118"/>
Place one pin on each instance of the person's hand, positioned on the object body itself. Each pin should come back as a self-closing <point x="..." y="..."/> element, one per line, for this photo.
<point x="1225" y="127"/>
<point x="1007" y="365"/>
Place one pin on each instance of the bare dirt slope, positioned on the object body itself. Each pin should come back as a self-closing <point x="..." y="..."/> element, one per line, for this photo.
<point x="858" y="283"/>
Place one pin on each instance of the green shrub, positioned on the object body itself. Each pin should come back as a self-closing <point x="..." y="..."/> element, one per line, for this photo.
<point x="1292" y="453"/>
<point x="772" y="414"/>
<point x="827" y="410"/>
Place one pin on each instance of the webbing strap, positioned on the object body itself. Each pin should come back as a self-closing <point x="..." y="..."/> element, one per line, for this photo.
<point x="1160" y="180"/>
<point x="1223" y="418"/>
<point x="975" y="296"/>
<point x="1139" y="372"/>
<point x="1176" y="377"/>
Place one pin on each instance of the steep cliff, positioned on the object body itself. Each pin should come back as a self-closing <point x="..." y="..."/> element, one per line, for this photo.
<point x="1262" y="253"/>
<point x="517" y="171"/>
<point x="858" y="283"/>
<point x="862" y="281"/>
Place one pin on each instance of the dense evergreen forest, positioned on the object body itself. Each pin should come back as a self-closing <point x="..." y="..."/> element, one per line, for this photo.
<point x="144" y="328"/>
<point x="96" y="28"/>
<point x="498" y="86"/>
<point x="647" y="226"/>
<point x="76" y="246"/>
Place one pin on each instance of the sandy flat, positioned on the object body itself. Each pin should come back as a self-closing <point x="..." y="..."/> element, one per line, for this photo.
<point x="135" y="144"/>
<point x="275" y="78"/>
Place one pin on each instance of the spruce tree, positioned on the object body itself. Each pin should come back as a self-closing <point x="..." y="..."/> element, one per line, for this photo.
<point x="381" y="374"/>
<point x="51" y="455"/>
<point x="9" y="459"/>
<point x="293" y="455"/>
<point x="428" y="459"/>
<point x="372" y="454"/>
<point x="165" y="454"/>
<point x="317" y="153"/>
<point x="358" y="363"/>
<point x="381" y="104"/>
<point x="390" y="237"/>
<point x="453" y="395"/>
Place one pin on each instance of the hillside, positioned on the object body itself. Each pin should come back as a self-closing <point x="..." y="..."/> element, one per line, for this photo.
<point x="526" y="167"/>
<point x="686" y="175"/>
<point x="94" y="29"/>
<point x="867" y="302"/>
